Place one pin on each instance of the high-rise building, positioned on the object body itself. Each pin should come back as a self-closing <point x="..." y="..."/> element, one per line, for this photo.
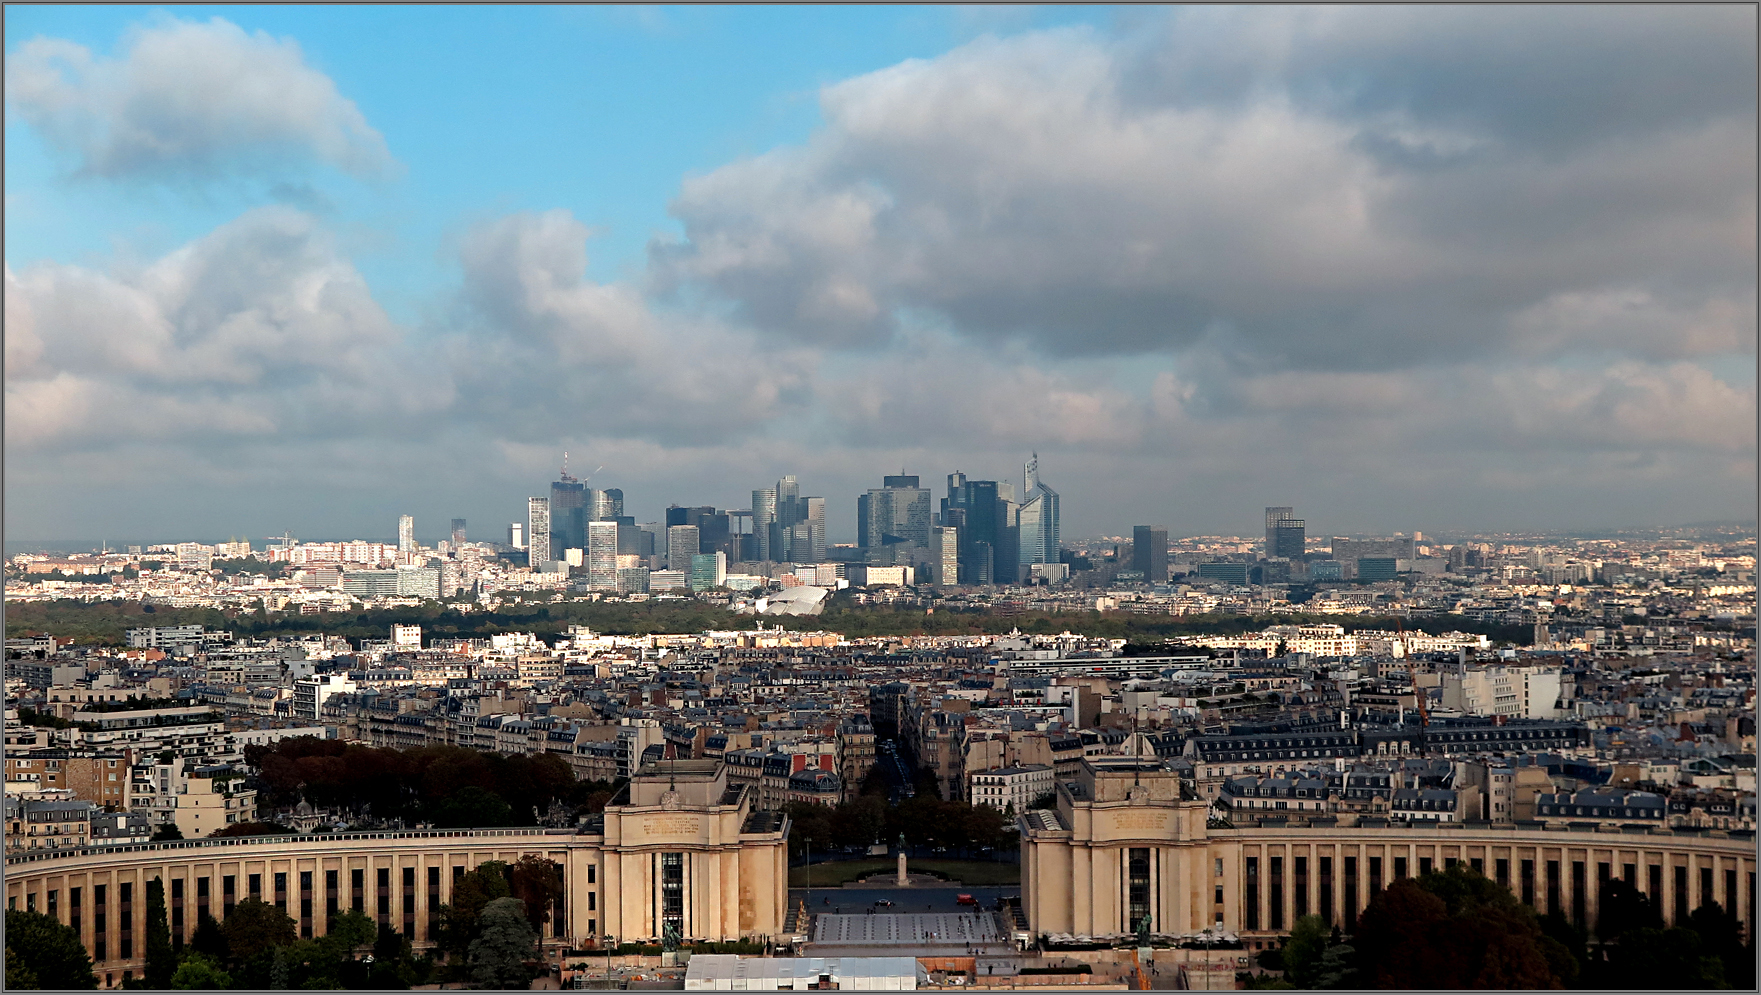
<point x="764" y="517"/>
<point x="1149" y="553"/>
<point x="458" y="532"/>
<point x="895" y="514"/>
<point x="945" y="552"/>
<point x="812" y="511"/>
<point x="1289" y="538"/>
<point x="406" y="534"/>
<point x="568" y="514"/>
<point x="981" y="513"/>
<point x="708" y="570"/>
<point x="1273" y="517"/>
<point x="517" y="535"/>
<point x="537" y="531"/>
<point x="602" y="556"/>
<point x="1037" y="519"/>
<point x="681" y="545"/>
<point x="608" y="504"/>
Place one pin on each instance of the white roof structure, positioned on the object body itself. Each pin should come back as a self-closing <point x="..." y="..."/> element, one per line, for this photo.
<point x="733" y="973"/>
<point x="804" y="600"/>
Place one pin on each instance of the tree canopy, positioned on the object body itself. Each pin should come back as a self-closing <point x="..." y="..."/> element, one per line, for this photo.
<point x="41" y="952"/>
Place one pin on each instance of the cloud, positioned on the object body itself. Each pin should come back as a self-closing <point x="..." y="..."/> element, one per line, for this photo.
<point x="546" y="348"/>
<point x="1297" y="182"/>
<point x="190" y="101"/>
<point x="258" y="330"/>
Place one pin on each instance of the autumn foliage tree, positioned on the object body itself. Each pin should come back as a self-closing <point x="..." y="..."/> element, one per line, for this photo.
<point x="1456" y="929"/>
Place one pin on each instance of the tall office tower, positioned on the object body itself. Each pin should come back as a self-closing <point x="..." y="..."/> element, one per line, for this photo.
<point x="1149" y="553"/>
<point x="895" y="514"/>
<point x="807" y="535"/>
<point x="568" y="514"/>
<point x="517" y="535"/>
<point x="708" y="570"/>
<point x="608" y="504"/>
<point x="458" y="532"/>
<point x="788" y="513"/>
<point x="406" y="534"/>
<point x="740" y="536"/>
<point x="981" y="512"/>
<point x="944" y="545"/>
<point x="1038" y="519"/>
<point x="1289" y="538"/>
<point x="602" y="556"/>
<point x="538" y="531"/>
<point x="1273" y="517"/>
<point x="681" y="545"/>
<point x="764" y="515"/>
<point x="629" y="536"/>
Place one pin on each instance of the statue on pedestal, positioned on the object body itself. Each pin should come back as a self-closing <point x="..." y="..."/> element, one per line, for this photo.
<point x="1143" y="930"/>
<point x="669" y="938"/>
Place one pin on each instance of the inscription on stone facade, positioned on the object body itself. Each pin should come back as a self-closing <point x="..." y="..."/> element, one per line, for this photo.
<point x="1156" y="821"/>
<point x="672" y="825"/>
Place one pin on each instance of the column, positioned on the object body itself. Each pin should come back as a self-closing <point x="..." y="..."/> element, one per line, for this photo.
<point x="1081" y="889"/>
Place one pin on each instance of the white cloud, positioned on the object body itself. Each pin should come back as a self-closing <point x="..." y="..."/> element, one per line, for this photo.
<point x="190" y="101"/>
<point x="257" y="329"/>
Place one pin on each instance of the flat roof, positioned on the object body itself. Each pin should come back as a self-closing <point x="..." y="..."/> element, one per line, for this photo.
<point x="731" y="972"/>
<point x="915" y="929"/>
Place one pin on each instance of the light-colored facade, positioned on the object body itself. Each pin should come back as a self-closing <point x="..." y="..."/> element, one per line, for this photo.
<point x="602" y="556"/>
<point x="1513" y="692"/>
<point x="537" y="531"/>
<point x="680" y="848"/>
<point x="1012" y="789"/>
<point x="1125" y="840"/>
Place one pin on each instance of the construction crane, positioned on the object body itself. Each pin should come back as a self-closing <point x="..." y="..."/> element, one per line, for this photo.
<point x="1143" y="978"/>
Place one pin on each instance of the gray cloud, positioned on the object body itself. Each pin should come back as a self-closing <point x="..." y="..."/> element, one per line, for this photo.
<point x="1340" y="200"/>
<point x="190" y="101"/>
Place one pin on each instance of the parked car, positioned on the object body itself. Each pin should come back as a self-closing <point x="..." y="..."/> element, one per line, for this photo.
<point x="883" y="903"/>
<point x="966" y="900"/>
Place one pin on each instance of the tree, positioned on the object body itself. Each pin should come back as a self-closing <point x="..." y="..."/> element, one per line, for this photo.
<point x="253" y="829"/>
<point x="539" y="884"/>
<point x="1303" y="950"/>
<point x="19" y="977"/>
<point x="198" y="971"/>
<point x="470" y="895"/>
<point x="161" y="961"/>
<point x="505" y="943"/>
<point x="1624" y="908"/>
<point x="255" y="926"/>
<point x="472" y="807"/>
<point x="47" y="950"/>
<point x="1662" y="959"/>
<point x="1454" y="929"/>
<point x="208" y="940"/>
<point x="167" y="832"/>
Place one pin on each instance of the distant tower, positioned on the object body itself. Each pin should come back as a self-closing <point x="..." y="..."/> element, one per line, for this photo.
<point x="458" y="532"/>
<point x="538" y="531"/>
<point x="406" y="534"/>
<point x="1273" y="517"/>
<point x="1037" y="519"/>
<point x="1149" y="553"/>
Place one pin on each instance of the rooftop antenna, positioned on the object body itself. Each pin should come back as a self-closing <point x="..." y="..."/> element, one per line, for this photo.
<point x="565" y="474"/>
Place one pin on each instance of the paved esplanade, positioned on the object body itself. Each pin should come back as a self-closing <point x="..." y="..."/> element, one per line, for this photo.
<point x="928" y="931"/>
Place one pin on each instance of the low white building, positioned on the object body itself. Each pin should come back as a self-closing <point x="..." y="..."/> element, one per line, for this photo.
<point x="1527" y="692"/>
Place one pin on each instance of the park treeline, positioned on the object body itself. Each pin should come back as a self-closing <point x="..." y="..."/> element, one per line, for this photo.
<point x="1455" y="929"/>
<point x="449" y="786"/>
<point x="103" y="623"/>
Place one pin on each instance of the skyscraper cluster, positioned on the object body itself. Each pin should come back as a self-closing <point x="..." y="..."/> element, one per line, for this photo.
<point x="981" y="535"/>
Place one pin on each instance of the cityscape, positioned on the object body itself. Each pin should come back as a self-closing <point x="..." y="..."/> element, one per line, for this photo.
<point x="1086" y="529"/>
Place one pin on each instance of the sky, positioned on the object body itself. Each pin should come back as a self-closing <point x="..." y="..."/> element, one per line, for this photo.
<point x="1445" y="268"/>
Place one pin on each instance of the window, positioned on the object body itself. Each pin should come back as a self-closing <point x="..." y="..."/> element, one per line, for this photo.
<point x="672" y="891"/>
<point x="1137" y="885"/>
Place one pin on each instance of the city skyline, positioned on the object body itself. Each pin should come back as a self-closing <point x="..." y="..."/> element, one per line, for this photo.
<point x="1454" y="269"/>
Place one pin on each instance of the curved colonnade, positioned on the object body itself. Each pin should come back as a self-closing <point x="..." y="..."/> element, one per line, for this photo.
<point x="613" y="889"/>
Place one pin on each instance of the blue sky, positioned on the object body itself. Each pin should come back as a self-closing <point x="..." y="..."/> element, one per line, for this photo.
<point x="312" y="267"/>
<point x="600" y="110"/>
